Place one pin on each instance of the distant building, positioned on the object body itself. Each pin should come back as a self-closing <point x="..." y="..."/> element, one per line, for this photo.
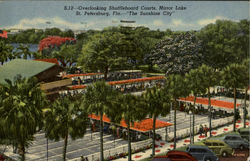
<point x="14" y="31"/>
<point x="47" y="73"/>
<point x="77" y="32"/>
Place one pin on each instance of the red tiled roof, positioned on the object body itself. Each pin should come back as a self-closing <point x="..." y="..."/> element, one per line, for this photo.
<point x="216" y="103"/>
<point x="136" y="80"/>
<point x="143" y="126"/>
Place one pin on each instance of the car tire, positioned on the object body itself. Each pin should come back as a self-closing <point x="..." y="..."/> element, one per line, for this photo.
<point x="241" y="147"/>
<point x="224" y="154"/>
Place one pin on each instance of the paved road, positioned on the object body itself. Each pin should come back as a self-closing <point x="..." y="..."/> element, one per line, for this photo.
<point x="86" y="146"/>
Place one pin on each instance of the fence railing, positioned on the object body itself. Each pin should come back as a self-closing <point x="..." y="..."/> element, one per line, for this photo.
<point x="116" y="151"/>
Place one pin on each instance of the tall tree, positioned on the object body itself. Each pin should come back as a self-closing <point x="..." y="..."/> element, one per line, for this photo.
<point x="6" y="52"/>
<point x="98" y="99"/>
<point x="21" y="100"/>
<point x="209" y="78"/>
<point x="102" y="52"/>
<point x="177" y="54"/>
<point x="194" y="80"/>
<point x="243" y="40"/>
<point x="132" y="110"/>
<point x="219" y="43"/>
<point x="22" y="51"/>
<point x="66" y="118"/>
<point x="245" y="82"/>
<point x="231" y="77"/>
<point x="157" y="103"/>
<point x="176" y="87"/>
<point x="67" y="54"/>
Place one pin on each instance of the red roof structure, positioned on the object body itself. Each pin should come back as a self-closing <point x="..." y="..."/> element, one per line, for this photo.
<point x="216" y="103"/>
<point x="136" y="80"/>
<point x="142" y="126"/>
<point x="52" y="60"/>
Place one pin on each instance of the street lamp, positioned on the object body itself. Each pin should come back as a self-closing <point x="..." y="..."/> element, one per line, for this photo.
<point x="190" y="114"/>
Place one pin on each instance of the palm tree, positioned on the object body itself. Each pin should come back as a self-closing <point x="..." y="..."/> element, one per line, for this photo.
<point x="209" y="78"/>
<point x="176" y="87"/>
<point x="6" y="52"/>
<point x="23" y="52"/>
<point x="22" y="101"/>
<point x="66" y="117"/>
<point x="132" y="110"/>
<point x="245" y="81"/>
<point x="157" y="103"/>
<point x="98" y="99"/>
<point x="194" y="80"/>
<point x="231" y="77"/>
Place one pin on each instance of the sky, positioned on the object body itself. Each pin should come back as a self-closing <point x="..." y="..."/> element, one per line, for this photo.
<point x="35" y="14"/>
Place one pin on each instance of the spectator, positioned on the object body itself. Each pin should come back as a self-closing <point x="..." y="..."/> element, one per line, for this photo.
<point x="124" y="133"/>
<point x="201" y="130"/>
<point x="206" y="130"/>
<point x="118" y="132"/>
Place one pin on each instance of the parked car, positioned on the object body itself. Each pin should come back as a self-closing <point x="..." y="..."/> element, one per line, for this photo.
<point x="201" y="153"/>
<point x="235" y="141"/>
<point x="175" y="155"/>
<point x="218" y="147"/>
<point x="245" y="133"/>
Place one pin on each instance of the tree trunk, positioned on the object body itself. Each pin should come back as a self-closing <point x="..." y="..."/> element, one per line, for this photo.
<point x="106" y="73"/>
<point x="175" y="124"/>
<point x="210" y="113"/>
<point x="129" y="143"/>
<point x="234" y="109"/>
<point x="101" y="137"/>
<point x="65" y="147"/>
<point x="245" y="108"/>
<point x="194" y="118"/>
<point x="22" y="152"/>
<point x="47" y="147"/>
<point x="153" y="149"/>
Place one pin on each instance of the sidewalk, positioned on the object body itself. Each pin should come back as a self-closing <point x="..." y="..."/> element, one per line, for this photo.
<point x="164" y="147"/>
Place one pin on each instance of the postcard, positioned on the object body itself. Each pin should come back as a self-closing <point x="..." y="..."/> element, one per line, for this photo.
<point x="190" y="51"/>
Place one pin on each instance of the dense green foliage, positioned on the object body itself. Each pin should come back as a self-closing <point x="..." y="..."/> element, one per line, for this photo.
<point x="21" y="104"/>
<point x="225" y="42"/>
<point x="176" y="87"/>
<point x="33" y="36"/>
<point x="132" y="109"/>
<point x="102" y="53"/>
<point x="65" y="118"/>
<point x="98" y="99"/>
<point x="157" y="104"/>
<point x="177" y="55"/>
<point x="232" y="77"/>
